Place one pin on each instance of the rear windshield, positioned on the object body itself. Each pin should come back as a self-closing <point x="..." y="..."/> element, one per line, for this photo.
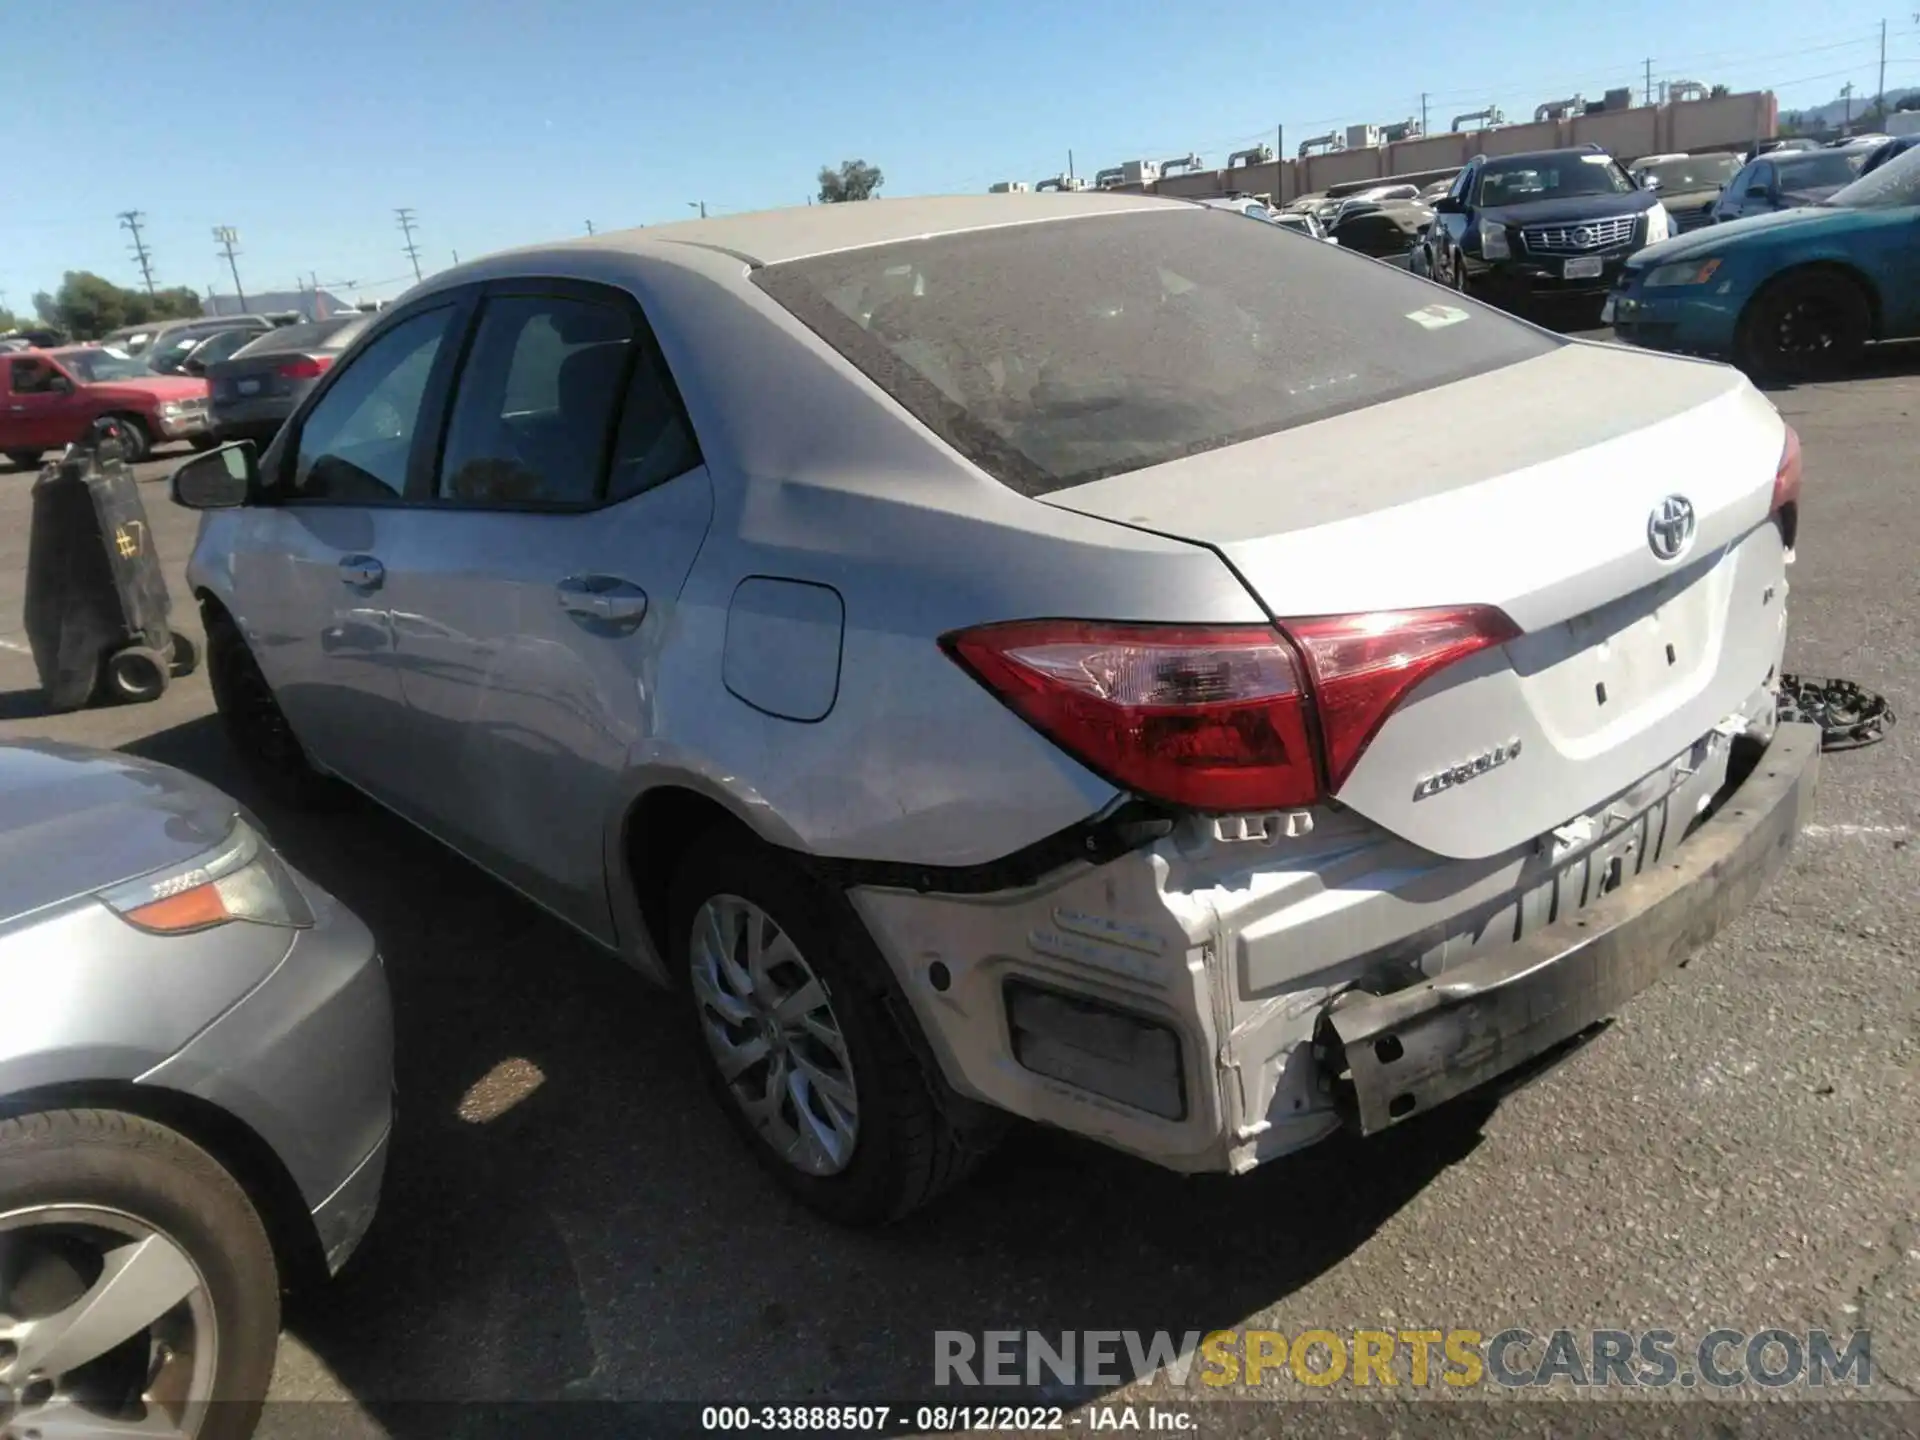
<point x="1695" y="172"/>
<point x="1056" y="353"/>
<point x="1811" y="169"/>
<point x="315" y="335"/>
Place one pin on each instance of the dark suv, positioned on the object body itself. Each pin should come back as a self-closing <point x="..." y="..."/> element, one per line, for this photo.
<point x="1535" y="226"/>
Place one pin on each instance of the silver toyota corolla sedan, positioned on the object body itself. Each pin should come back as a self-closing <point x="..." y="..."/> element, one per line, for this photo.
<point x="974" y="650"/>
<point x="195" y="1097"/>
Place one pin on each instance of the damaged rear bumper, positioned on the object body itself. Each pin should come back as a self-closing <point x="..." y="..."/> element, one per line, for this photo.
<point x="1408" y="1051"/>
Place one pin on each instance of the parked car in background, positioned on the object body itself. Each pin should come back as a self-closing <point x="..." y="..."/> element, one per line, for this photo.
<point x="169" y="355"/>
<point x="1540" y="226"/>
<point x="723" y="616"/>
<point x="1884" y="153"/>
<point x="257" y="387"/>
<point x="1794" y="294"/>
<point x="51" y="398"/>
<point x="1243" y="205"/>
<point x="1785" y="180"/>
<point x="135" y="339"/>
<point x="1385" y="230"/>
<point x="1774" y="147"/>
<point x="1303" y="222"/>
<point x="40" y="339"/>
<point x="1688" y="185"/>
<point x="222" y="345"/>
<point x="195" y="1096"/>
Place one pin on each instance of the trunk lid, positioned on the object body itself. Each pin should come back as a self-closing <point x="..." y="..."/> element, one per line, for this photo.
<point x="1538" y="502"/>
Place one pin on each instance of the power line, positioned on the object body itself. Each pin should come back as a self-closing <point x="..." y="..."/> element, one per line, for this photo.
<point x="410" y="250"/>
<point x="227" y="237"/>
<point x="130" y="221"/>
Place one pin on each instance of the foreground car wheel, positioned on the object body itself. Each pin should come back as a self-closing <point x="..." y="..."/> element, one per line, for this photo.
<point x="1804" y="327"/>
<point x="803" y="1041"/>
<point x="255" y="725"/>
<point x="137" y="1284"/>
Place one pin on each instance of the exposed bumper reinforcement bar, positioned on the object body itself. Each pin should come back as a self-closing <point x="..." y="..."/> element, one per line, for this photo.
<point x="1410" y="1050"/>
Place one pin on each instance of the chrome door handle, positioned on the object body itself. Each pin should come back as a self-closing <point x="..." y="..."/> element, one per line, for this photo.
<point x="603" y="597"/>
<point x="363" y="571"/>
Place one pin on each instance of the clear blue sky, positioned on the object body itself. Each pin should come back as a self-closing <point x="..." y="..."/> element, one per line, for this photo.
<point x="302" y="125"/>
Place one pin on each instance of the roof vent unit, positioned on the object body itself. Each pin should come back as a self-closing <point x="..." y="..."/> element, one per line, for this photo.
<point x="1112" y="176"/>
<point x="1328" y="142"/>
<point x="1188" y="162"/>
<point x="1560" y="109"/>
<point x="1619" y="98"/>
<point x="1009" y="187"/>
<point x="1255" y="155"/>
<point x="1400" y="130"/>
<point x="1682" y="90"/>
<point x="1363" y="137"/>
<point x="1488" y="118"/>
<point x="1141" y="172"/>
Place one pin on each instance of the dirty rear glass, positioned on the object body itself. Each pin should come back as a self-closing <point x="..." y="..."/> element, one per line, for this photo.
<point x="1056" y="353"/>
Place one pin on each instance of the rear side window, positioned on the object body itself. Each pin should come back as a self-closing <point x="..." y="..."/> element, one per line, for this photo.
<point x="1060" y="352"/>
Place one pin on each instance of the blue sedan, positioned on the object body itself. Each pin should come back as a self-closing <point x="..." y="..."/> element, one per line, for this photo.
<point x="1792" y="295"/>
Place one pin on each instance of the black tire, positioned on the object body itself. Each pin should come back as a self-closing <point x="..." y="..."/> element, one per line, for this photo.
<point x="24" y="459"/>
<point x="137" y="674"/>
<point x="915" y="1138"/>
<point x="135" y="443"/>
<point x="184" y="658"/>
<point x="255" y="725"/>
<point x="106" y="1160"/>
<point x="1809" y="326"/>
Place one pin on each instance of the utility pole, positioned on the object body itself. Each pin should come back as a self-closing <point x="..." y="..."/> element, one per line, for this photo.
<point x="1423" y="112"/>
<point x="456" y="257"/>
<point x="1880" y="95"/>
<point x="410" y="250"/>
<point x="227" y="237"/>
<point x="589" y="227"/>
<point x="1846" y="94"/>
<point x="1069" y="164"/>
<point x="130" y="222"/>
<point x="699" y="205"/>
<point x="1649" y="82"/>
<point x="1279" y="164"/>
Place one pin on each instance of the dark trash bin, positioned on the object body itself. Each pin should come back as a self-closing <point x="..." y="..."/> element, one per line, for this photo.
<point x="97" y="611"/>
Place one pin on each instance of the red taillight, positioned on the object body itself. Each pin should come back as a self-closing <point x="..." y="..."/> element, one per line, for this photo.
<point x="1786" y="487"/>
<point x="1208" y="717"/>
<point x="307" y="367"/>
<point x="1217" y="718"/>
<point x="1364" y="665"/>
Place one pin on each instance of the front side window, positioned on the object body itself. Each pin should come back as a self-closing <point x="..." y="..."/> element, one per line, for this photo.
<point x="33" y="377"/>
<point x="355" y="442"/>
<point x="1056" y="353"/>
<point x="100" y="365"/>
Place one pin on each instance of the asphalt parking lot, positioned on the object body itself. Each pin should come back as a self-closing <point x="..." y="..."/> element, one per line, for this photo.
<point x="568" y="1217"/>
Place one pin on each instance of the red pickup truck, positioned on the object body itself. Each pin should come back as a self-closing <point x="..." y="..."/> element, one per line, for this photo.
<point x="51" y="398"/>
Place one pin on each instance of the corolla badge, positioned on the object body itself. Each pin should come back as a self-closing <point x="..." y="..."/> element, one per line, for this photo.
<point x="1466" y="770"/>
<point x="1670" y="527"/>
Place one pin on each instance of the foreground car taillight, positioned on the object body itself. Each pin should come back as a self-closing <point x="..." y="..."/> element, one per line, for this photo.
<point x="241" y="879"/>
<point x="1786" y="488"/>
<point x="307" y="367"/>
<point x="1208" y="717"/>
<point x="1221" y="718"/>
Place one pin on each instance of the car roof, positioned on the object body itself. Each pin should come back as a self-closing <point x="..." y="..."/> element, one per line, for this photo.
<point x="1559" y="154"/>
<point x="768" y="237"/>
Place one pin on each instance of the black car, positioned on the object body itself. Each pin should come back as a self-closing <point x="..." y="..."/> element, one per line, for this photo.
<point x="1543" y="225"/>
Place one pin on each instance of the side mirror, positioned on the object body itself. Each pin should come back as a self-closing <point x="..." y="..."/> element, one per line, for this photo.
<point x="1449" y="205"/>
<point x="221" y="479"/>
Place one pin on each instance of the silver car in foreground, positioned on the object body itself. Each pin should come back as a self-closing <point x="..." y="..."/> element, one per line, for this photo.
<point x="195" y="1097"/>
<point x="975" y="651"/>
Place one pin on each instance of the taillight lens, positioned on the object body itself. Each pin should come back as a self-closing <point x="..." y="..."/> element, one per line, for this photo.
<point x="1217" y="718"/>
<point x="1786" y="487"/>
<point x="1212" y="718"/>
<point x="1364" y="665"/>
<point x="307" y="367"/>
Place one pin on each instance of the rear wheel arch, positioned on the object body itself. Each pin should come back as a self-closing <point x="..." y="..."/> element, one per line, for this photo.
<point x="238" y="1148"/>
<point x="660" y="826"/>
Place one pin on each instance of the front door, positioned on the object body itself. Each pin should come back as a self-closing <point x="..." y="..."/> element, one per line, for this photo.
<point x="530" y="601"/>
<point x="44" y="408"/>
<point x="309" y="566"/>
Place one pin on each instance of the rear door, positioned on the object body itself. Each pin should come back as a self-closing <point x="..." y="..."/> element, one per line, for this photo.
<point x="531" y="596"/>
<point x="310" y="567"/>
<point x="45" y="405"/>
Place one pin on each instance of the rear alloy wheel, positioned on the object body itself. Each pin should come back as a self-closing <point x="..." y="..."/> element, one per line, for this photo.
<point x="255" y="724"/>
<point x="138" y="1290"/>
<point x="1805" y="327"/>
<point x="805" y="1041"/>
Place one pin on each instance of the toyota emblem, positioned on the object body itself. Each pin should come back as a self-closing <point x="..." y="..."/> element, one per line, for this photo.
<point x="1670" y="527"/>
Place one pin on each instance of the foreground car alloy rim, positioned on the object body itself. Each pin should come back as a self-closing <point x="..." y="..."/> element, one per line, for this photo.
<point x="1805" y="328"/>
<point x="769" y="1022"/>
<point x="106" y="1327"/>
